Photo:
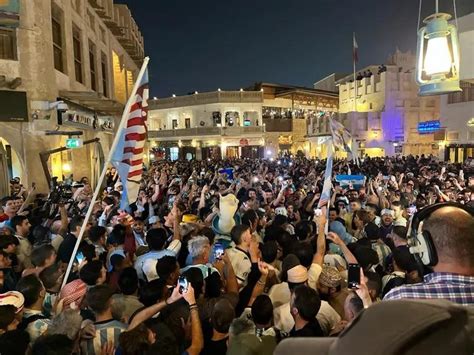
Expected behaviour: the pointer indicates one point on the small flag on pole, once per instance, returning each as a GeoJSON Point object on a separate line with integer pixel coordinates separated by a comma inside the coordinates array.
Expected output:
{"type": "Point", "coordinates": [340, 135]}
{"type": "Point", "coordinates": [327, 184]}
{"type": "Point", "coordinates": [342, 138]}
{"type": "Point", "coordinates": [355, 47]}
{"type": "Point", "coordinates": [128, 156]}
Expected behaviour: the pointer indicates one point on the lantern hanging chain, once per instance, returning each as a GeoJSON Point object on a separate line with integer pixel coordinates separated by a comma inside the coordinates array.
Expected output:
{"type": "Point", "coordinates": [437, 6]}
{"type": "Point", "coordinates": [455, 14]}
{"type": "Point", "coordinates": [419, 16]}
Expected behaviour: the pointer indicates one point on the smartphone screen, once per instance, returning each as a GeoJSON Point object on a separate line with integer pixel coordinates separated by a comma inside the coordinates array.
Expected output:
{"type": "Point", "coordinates": [218, 250]}
{"type": "Point", "coordinates": [183, 284]}
{"type": "Point", "coordinates": [354, 275]}
{"type": "Point", "coordinates": [79, 257]}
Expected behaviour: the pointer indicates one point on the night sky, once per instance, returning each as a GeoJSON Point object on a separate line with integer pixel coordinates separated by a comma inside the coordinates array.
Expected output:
{"type": "Point", "coordinates": [202, 44]}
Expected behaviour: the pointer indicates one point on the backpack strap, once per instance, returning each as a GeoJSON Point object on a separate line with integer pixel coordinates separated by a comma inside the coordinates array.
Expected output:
{"type": "Point", "coordinates": [26, 321]}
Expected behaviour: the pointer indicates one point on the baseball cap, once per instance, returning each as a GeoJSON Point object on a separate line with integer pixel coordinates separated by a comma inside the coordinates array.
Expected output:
{"type": "Point", "coordinates": [416, 327]}
{"type": "Point", "coordinates": [281, 211]}
{"type": "Point", "coordinates": [13, 298]}
{"type": "Point", "coordinates": [387, 211]}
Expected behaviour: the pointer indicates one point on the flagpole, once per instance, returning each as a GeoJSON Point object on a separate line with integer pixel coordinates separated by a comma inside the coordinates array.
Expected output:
{"type": "Point", "coordinates": [354, 70]}
{"type": "Point", "coordinates": [330, 156]}
{"type": "Point", "coordinates": [104, 169]}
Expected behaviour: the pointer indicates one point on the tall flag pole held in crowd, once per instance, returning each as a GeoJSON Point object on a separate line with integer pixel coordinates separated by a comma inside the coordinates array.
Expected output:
{"type": "Point", "coordinates": [128, 155]}
{"type": "Point", "coordinates": [126, 152]}
{"type": "Point", "coordinates": [341, 139]}
{"type": "Point", "coordinates": [355, 59]}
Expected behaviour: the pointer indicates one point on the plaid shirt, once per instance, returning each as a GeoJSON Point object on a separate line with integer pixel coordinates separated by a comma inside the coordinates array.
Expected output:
{"type": "Point", "coordinates": [453, 287]}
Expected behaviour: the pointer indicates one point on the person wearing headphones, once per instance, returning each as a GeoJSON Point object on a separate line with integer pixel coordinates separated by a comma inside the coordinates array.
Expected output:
{"type": "Point", "coordinates": [442, 237]}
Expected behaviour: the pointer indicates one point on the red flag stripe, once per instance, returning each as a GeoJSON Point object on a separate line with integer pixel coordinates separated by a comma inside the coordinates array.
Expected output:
{"type": "Point", "coordinates": [135, 121]}
{"type": "Point", "coordinates": [135, 173]}
{"type": "Point", "coordinates": [135, 137]}
{"type": "Point", "coordinates": [133, 150]}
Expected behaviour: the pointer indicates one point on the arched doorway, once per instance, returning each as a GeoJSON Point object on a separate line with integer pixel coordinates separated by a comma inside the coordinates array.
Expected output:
{"type": "Point", "coordinates": [10, 166]}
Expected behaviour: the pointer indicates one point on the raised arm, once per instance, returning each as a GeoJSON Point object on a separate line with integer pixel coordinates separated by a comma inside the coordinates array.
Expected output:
{"type": "Point", "coordinates": [321, 240]}
{"type": "Point", "coordinates": [310, 205]}
{"type": "Point", "coordinates": [156, 194]}
{"type": "Point", "coordinates": [202, 200]}
{"type": "Point", "coordinates": [149, 312]}
{"type": "Point", "coordinates": [260, 285]}
{"type": "Point", "coordinates": [350, 258]}
{"type": "Point", "coordinates": [178, 215]}
{"type": "Point", "coordinates": [64, 220]}
{"type": "Point", "coordinates": [197, 338]}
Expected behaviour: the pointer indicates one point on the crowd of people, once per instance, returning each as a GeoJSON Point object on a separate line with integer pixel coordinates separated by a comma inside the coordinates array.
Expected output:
{"type": "Point", "coordinates": [230, 256]}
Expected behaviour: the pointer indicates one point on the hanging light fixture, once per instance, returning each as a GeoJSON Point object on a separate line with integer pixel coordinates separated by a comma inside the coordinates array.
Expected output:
{"type": "Point", "coordinates": [437, 67]}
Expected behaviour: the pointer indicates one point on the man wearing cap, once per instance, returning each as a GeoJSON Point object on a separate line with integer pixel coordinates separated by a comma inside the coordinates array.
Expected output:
{"type": "Point", "coordinates": [330, 288]}
{"type": "Point", "coordinates": [327, 316]}
{"type": "Point", "coordinates": [386, 224]}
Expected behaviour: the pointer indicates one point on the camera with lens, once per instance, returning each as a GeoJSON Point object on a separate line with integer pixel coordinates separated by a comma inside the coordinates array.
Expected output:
{"type": "Point", "coordinates": [60, 192]}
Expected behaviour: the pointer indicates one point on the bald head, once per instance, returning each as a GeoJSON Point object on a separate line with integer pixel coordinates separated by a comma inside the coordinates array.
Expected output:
{"type": "Point", "coordinates": [452, 230]}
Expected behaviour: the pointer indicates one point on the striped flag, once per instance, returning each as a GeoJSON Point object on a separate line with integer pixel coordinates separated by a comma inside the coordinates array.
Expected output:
{"type": "Point", "coordinates": [327, 184]}
{"type": "Point", "coordinates": [342, 138]}
{"type": "Point", "coordinates": [128, 156]}
{"type": "Point", "coordinates": [355, 47]}
{"type": "Point", "coordinates": [340, 135]}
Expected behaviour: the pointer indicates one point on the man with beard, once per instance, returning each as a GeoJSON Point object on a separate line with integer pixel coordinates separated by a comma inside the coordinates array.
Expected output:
{"type": "Point", "coordinates": [138, 229]}
{"type": "Point", "coordinates": [386, 225]}
{"type": "Point", "coordinates": [330, 289]}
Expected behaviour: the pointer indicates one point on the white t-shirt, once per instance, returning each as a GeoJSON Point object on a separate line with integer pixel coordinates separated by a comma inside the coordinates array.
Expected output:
{"type": "Point", "coordinates": [241, 264]}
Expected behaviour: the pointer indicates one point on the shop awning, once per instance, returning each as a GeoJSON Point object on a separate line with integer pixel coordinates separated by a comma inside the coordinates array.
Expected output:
{"type": "Point", "coordinates": [94, 101]}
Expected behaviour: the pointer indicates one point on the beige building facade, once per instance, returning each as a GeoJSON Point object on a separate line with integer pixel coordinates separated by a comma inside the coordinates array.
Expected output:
{"type": "Point", "coordinates": [388, 117]}
{"type": "Point", "coordinates": [263, 121]}
{"type": "Point", "coordinates": [67, 66]}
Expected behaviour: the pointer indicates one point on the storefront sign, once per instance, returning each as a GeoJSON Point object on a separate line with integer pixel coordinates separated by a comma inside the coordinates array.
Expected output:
{"type": "Point", "coordinates": [17, 108]}
{"type": "Point", "coordinates": [9, 13]}
{"type": "Point", "coordinates": [428, 127]}
{"type": "Point", "coordinates": [87, 120]}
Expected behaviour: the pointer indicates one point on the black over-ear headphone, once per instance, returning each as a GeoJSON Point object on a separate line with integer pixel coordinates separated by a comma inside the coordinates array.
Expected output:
{"type": "Point", "coordinates": [420, 241]}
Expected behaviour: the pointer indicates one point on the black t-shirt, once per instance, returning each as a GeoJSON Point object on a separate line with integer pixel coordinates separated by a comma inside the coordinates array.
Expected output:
{"type": "Point", "coordinates": [311, 329]}
{"type": "Point", "coordinates": [215, 347]}
{"type": "Point", "coordinates": [66, 248]}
